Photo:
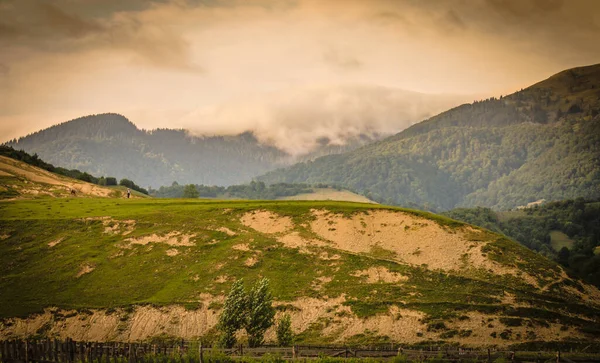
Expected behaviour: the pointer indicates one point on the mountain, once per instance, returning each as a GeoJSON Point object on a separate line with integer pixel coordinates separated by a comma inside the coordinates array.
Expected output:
{"type": "Point", "coordinates": [542, 142]}
{"type": "Point", "coordinates": [102, 269]}
{"type": "Point", "coordinates": [111, 145]}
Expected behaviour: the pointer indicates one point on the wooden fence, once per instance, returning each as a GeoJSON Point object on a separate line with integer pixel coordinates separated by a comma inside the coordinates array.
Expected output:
{"type": "Point", "coordinates": [69, 351]}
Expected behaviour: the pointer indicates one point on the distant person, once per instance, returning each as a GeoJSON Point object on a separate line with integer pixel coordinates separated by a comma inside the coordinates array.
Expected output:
{"type": "Point", "coordinates": [128, 193]}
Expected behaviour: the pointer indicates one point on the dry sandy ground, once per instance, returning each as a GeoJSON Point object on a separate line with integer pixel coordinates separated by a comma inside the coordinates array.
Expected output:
{"type": "Point", "coordinates": [335, 320]}
{"type": "Point", "coordinates": [380, 274]}
{"type": "Point", "coordinates": [37, 175]}
{"type": "Point", "coordinates": [267, 222]}
{"type": "Point", "coordinates": [407, 239]}
{"type": "Point", "coordinates": [403, 237]}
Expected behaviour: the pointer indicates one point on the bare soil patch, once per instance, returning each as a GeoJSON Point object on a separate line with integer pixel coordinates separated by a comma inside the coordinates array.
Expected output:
{"type": "Point", "coordinates": [380, 274]}
{"type": "Point", "coordinates": [294, 240]}
{"type": "Point", "coordinates": [267, 222]}
{"type": "Point", "coordinates": [251, 261]}
{"type": "Point", "coordinates": [241, 247]}
{"type": "Point", "coordinates": [172, 239]}
{"type": "Point", "coordinates": [172, 252]}
{"type": "Point", "coordinates": [55, 242]}
{"type": "Point", "coordinates": [226, 230]}
{"type": "Point", "coordinates": [85, 269]}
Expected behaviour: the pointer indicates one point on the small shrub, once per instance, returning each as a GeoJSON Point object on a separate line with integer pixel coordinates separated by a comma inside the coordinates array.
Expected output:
{"type": "Point", "coordinates": [285, 336]}
{"type": "Point", "coordinates": [437, 326]}
{"type": "Point", "coordinates": [506, 334]}
{"type": "Point", "coordinates": [448, 334]}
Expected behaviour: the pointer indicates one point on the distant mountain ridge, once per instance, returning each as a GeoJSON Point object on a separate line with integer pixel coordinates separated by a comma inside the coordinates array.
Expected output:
{"type": "Point", "coordinates": [110, 144]}
{"type": "Point", "coordinates": [541, 142]}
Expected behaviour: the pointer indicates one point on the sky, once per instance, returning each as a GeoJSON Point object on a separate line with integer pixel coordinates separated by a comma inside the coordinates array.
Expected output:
{"type": "Point", "coordinates": [292, 71]}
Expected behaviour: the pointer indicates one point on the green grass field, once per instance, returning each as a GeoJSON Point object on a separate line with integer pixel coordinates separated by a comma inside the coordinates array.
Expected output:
{"type": "Point", "coordinates": [45, 244]}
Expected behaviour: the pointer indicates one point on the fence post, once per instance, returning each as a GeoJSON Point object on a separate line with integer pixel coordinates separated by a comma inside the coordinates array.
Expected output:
{"type": "Point", "coordinates": [489, 355]}
{"type": "Point", "coordinates": [558, 356]}
{"type": "Point", "coordinates": [201, 353]}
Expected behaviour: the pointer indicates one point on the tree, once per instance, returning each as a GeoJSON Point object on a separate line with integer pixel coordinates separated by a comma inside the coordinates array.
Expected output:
{"type": "Point", "coordinates": [110, 180]}
{"type": "Point", "coordinates": [261, 313]}
{"type": "Point", "coordinates": [254, 312]}
{"type": "Point", "coordinates": [233, 315]}
{"type": "Point", "coordinates": [285, 336]}
{"type": "Point", "coordinates": [190, 191]}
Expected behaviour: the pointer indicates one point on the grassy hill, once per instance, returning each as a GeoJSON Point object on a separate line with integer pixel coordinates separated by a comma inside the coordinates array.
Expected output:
{"type": "Point", "coordinates": [568, 231]}
{"type": "Point", "coordinates": [542, 142]}
{"type": "Point", "coordinates": [115, 269]}
{"type": "Point", "coordinates": [329, 194]}
{"type": "Point", "coordinates": [21, 180]}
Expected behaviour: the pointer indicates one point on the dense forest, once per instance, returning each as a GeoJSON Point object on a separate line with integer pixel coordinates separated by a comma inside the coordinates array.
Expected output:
{"type": "Point", "coordinates": [71, 173]}
{"type": "Point", "coordinates": [568, 231]}
{"type": "Point", "coordinates": [539, 143]}
{"type": "Point", "coordinates": [111, 144]}
{"type": "Point", "coordinates": [253, 190]}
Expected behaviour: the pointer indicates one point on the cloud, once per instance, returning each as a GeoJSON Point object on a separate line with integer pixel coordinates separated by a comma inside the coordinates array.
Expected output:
{"type": "Point", "coordinates": [298, 120]}
{"type": "Point", "coordinates": [212, 60]}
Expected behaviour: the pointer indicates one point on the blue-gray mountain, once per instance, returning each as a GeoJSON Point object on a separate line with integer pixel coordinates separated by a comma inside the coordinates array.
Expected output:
{"type": "Point", "coordinates": [110, 145]}
{"type": "Point", "coordinates": [542, 142]}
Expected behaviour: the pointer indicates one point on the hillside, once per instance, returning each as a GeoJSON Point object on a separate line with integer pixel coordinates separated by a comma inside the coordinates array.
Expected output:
{"type": "Point", "coordinates": [20, 180]}
{"type": "Point", "coordinates": [109, 144]}
{"type": "Point", "coordinates": [567, 231]}
{"type": "Point", "coordinates": [106, 269]}
{"type": "Point", "coordinates": [542, 142]}
{"type": "Point", "coordinates": [329, 194]}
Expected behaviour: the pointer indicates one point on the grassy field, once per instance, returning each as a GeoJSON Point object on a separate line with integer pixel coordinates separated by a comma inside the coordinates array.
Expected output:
{"type": "Point", "coordinates": [330, 194]}
{"type": "Point", "coordinates": [76, 253]}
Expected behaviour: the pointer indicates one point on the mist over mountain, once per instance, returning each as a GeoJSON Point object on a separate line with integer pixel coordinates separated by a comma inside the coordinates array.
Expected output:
{"type": "Point", "coordinates": [301, 121]}
{"type": "Point", "coordinates": [235, 142]}
{"type": "Point", "coordinates": [539, 143]}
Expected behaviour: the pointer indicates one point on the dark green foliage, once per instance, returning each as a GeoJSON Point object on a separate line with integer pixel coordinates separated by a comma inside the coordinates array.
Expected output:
{"type": "Point", "coordinates": [129, 184]}
{"type": "Point", "coordinates": [285, 336]}
{"type": "Point", "coordinates": [111, 180]}
{"type": "Point", "coordinates": [498, 153]}
{"type": "Point", "coordinates": [260, 313]}
{"type": "Point", "coordinates": [233, 315]}
{"type": "Point", "coordinates": [253, 190]}
{"type": "Point", "coordinates": [189, 191]}
{"type": "Point", "coordinates": [252, 311]}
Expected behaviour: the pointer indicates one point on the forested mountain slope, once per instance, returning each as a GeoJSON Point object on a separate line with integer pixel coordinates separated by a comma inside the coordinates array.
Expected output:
{"type": "Point", "coordinates": [541, 142]}
{"type": "Point", "coordinates": [110, 144]}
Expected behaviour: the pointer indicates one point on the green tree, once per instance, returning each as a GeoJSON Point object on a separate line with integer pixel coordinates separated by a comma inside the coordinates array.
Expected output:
{"type": "Point", "coordinates": [233, 315]}
{"type": "Point", "coordinates": [190, 191]}
{"type": "Point", "coordinates": [261, 313]}
{"type": "Point", "coordinates": [285, 336]}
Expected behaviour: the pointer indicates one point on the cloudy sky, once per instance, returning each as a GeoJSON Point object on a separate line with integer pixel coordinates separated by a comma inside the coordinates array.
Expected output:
{"type": "Point", "coordinates": [280, 68]}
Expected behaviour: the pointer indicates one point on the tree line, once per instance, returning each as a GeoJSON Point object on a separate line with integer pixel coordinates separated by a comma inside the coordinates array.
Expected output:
{"type": "Point", "coordinates": [252, 190]}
